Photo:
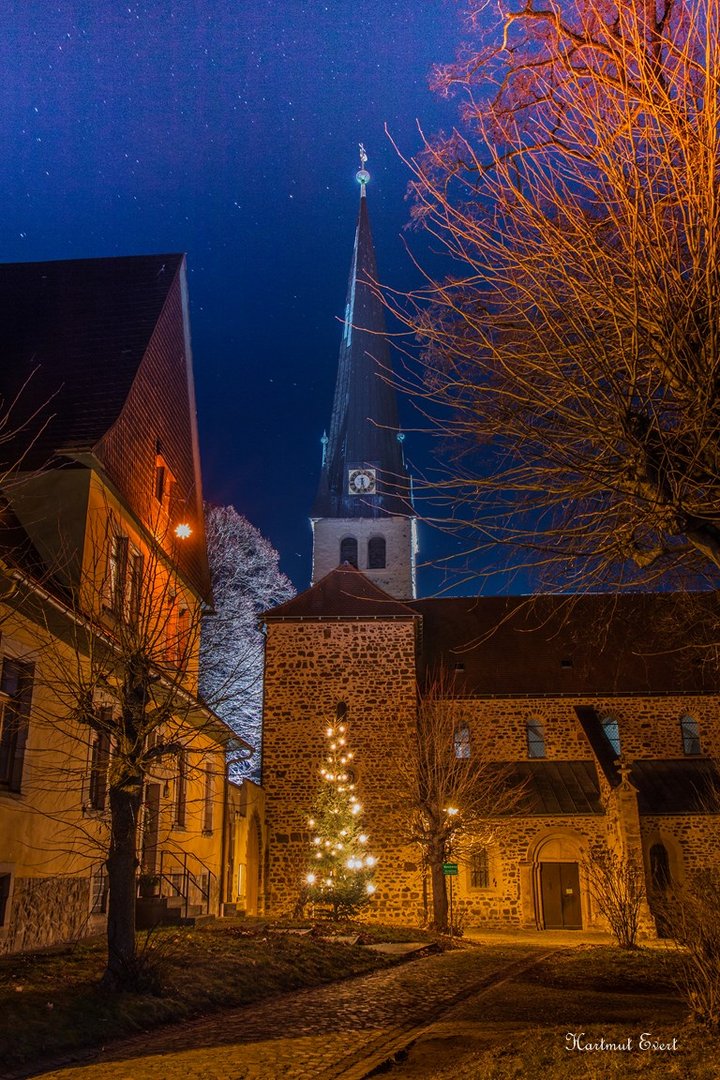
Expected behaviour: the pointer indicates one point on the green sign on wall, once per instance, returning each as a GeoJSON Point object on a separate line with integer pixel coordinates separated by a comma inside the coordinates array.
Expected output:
{"type": "Point", "coordinates": [450, 869]}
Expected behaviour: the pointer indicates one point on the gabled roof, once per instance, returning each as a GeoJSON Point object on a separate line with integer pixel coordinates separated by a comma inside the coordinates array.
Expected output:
{"type": "Point", "coordinates": [584, 645]}
{"type": "Point", "coordinates": [344, 593]}
{"type": "Point", "coordinates": [72, 336]}
{"type": "Point", "coordinates": [364, 423]}
{"type": "Point", "coordinates": [95, 355]}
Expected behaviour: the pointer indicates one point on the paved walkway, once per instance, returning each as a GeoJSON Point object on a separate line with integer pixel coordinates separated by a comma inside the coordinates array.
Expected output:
{"type": "Point", "coordinates": [334, 1031]}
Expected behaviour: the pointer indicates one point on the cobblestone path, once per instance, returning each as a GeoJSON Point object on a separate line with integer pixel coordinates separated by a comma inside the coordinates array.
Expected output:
{"type": "Point", "coordinates": [334, 1031]}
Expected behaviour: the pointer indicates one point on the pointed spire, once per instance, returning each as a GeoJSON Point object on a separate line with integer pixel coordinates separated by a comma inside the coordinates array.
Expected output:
{"type": "Point", "coordinates": [363, 431]}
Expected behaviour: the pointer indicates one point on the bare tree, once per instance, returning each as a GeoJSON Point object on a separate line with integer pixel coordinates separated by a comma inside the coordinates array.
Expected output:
{"type": "Point", "coordinates": [617, 884]}
{"type": "Point", "coordinates": [453, 793]}
{"type": "Point", "coordinates": [571, 356]}
{"type": "Point", "coordinates": [117, 708]}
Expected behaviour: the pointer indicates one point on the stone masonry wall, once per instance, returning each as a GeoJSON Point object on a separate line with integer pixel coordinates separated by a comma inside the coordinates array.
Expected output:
{"type": "Point", "coordinates": [310, 667]}
{"type": "Point", "coordinates": [370, 665]}
{"type": "Point", "coordinates": [396, 578]}
{"type": "Point", "coordinates": [46, 911]}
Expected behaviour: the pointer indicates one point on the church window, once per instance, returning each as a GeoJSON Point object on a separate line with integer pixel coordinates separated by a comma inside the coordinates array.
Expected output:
{"type": "Point", "coordinates": [611, 731]}
{"type": "Point", "coordinates": [535, 739]}
{"type": "Point", "coordinates": [690, 735]}
{"type": "Point", "coordinates": [376, 553]}
{"type": "Point", "coordinates": [479, 869]}
{"type": "Point", "coordinates": [462, 741]}
{"type": "Point", "coordinates": [349, 550]}
{"type": "Point", "coordinates": [659, 867]}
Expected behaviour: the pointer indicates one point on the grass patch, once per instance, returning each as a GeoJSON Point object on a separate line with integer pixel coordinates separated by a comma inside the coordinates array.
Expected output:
{"type": "Point", "coordinates": [51, 1004]}
{"type": "Point", "coordinates": [520, 1029]}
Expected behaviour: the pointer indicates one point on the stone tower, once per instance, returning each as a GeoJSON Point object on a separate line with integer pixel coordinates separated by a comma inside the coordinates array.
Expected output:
{"type": "Point", "coordinates": [363, 512]}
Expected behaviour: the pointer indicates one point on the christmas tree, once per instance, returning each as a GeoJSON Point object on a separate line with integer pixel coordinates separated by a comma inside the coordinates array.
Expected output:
{"type": "Point", "coordinates": [341, 868]}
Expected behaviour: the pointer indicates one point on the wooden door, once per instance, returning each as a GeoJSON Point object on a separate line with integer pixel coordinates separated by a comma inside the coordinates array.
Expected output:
{"type": "Point", "coordinates": [560, 891]}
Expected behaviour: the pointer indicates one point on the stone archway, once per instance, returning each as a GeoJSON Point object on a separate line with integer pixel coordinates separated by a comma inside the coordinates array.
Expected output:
{"type": "Point", "coordinates": [663, 869]}
{"type": "Point", "coordinates": [560, 898]}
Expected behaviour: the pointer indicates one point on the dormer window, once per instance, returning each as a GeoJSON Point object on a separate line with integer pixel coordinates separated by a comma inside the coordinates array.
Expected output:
{"type": "Point", "coordinates": [164, 481]}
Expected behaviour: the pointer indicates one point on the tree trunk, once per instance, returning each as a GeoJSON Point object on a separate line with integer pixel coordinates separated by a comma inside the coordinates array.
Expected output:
{"type": "Point", "coordinates": [439, 890]}
{"type": "Point", "coordinates": [121, 868]}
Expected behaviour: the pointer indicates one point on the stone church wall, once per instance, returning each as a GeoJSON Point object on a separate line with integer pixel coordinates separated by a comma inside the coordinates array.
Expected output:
{"type": "Point", "coordinates": [396, 578]}
{"type": "Point", "coordinates": [310, 667]}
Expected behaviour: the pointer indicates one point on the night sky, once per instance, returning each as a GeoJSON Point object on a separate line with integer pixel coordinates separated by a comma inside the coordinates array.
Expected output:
{"type": "Point", "coordinates": [229, 130]}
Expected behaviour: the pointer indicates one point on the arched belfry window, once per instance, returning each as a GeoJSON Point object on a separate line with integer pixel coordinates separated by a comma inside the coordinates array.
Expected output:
{"type": "Point", "coordinates": [349, 550]}
{"type": "Point", "coordinates": [376, 553]}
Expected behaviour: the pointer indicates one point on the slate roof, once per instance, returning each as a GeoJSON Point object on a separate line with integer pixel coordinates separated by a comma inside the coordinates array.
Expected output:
{"type": "Point", "coordinates": [557, 787]}
{"type": "Point", "coordinates": [344, 593]}
{"type": "Point", "coordinates": [72, 336]}
{"type": "Point", "coordinates": [679, 786]}
{"type": "Point", "coordinates": [555, 645]}
{"type": "Point", "coordinates": [364, 423]}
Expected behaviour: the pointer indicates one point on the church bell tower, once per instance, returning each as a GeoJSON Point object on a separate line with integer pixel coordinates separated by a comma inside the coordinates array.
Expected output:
{"type": "Point", "coordinates": [363, 510]}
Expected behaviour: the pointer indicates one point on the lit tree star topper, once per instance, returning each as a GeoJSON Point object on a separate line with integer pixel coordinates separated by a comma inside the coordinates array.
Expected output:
{"type": "Point", "coordinates": [341, 868]}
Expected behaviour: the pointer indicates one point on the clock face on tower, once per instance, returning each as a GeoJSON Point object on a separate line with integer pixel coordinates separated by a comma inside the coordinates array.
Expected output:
{"type": "Point", "coordinates": [361, 482]}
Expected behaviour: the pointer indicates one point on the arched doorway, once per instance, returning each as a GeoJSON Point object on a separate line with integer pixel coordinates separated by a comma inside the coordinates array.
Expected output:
{"type": "Point", "coordinates": [558, 892]}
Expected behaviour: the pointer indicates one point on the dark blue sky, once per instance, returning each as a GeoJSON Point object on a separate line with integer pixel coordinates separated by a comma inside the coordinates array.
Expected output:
{"type": "Point", "coordinates": [228, 130]}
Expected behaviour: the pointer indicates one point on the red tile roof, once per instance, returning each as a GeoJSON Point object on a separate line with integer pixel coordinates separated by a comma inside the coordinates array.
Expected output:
{"type": "Point", "coordinates": [344, 593]}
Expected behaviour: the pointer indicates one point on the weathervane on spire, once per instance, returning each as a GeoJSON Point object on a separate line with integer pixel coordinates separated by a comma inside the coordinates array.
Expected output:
{"type": "Point", "coordinates": [362, 175]}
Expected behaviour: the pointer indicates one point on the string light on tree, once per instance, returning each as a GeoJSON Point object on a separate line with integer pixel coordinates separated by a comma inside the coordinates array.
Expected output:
{"type": "Point", "coordinates": [342, 867]}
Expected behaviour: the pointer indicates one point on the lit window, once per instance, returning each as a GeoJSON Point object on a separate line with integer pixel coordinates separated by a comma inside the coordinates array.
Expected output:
{"type": "Point", "coordinates": [376, 553]}
{"type": "Point", "coordinates": [611, 732]}
{"type": "Point", "coordinates": [479, 869]}
{"type": "Point", "coordinates": [690, 735]}
{"type": "Point", "coordinates": [349, 551]}
{"type": "Point", "coordinates": [535, 739]}
{"type": "Point", "coordinates": [118, 574]}
{"type": "Point", "coordinates": [462, 741]}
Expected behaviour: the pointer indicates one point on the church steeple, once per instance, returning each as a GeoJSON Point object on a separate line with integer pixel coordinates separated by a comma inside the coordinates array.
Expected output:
{"type": "Point", "coordinates": [362, 511]}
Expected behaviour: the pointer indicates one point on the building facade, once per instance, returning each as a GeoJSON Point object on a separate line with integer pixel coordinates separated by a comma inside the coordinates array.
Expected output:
{"type": "Point", "coordinates": [607, 728]}
{"type": "Point", "coordinates": [103, 560]}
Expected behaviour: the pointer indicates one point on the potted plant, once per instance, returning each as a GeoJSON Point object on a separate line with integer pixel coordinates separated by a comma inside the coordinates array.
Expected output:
{"type": "Point", "coordinates": [149, 885]}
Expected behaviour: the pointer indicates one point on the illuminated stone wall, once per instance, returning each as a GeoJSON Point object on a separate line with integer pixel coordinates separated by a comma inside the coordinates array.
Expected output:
{"type": "Point", "coordinates": [310, 667]}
